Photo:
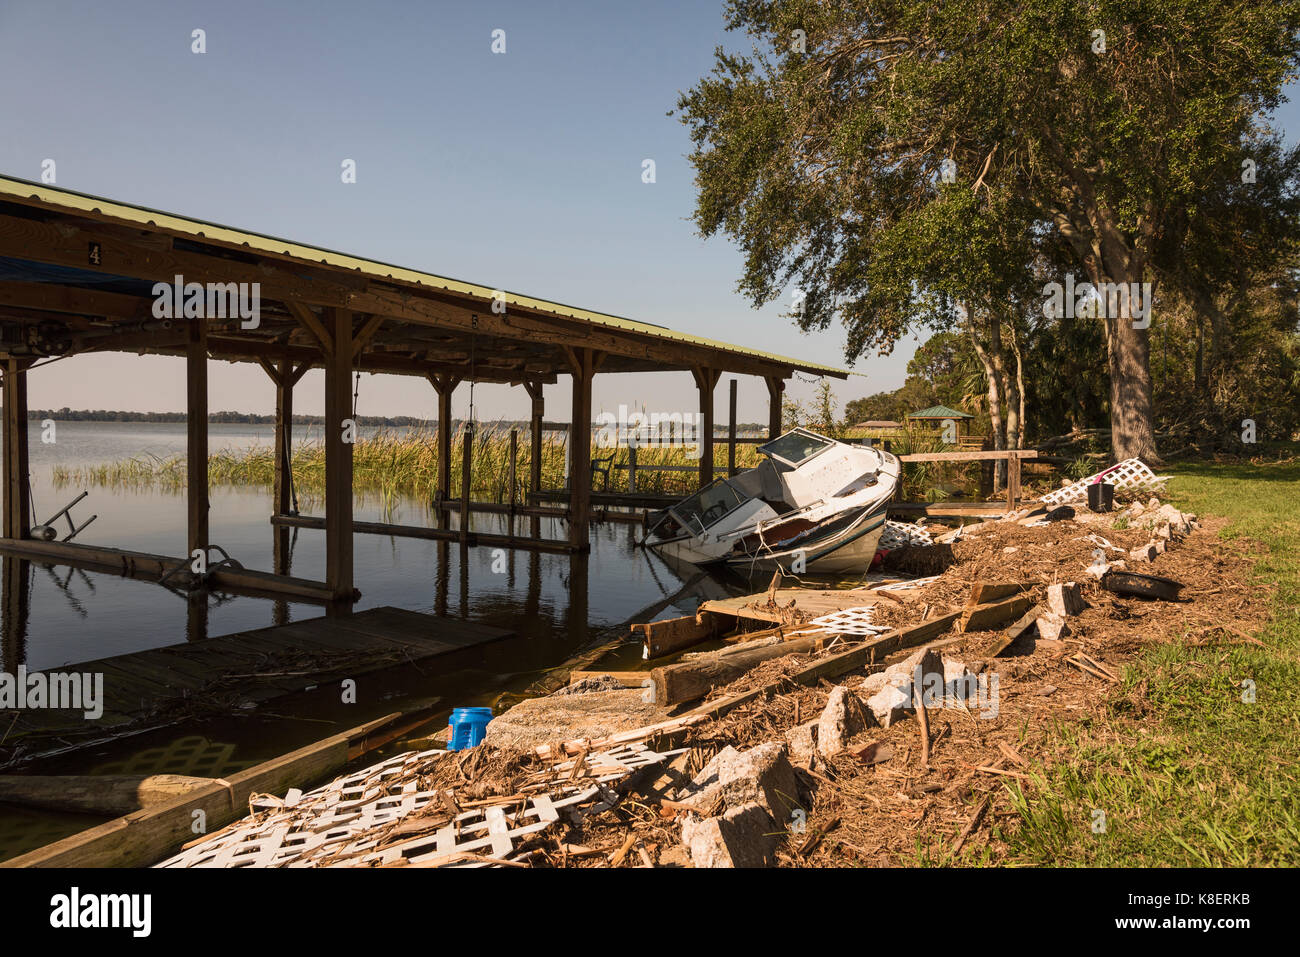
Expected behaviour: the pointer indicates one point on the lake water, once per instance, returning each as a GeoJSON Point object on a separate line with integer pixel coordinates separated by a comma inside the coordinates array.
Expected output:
{"type": "Point", "coordinates": [555, 603]}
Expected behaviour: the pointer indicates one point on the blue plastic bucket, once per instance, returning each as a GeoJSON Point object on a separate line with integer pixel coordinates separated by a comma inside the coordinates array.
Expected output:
{"type": "Point", "coordinates": [468, 725]}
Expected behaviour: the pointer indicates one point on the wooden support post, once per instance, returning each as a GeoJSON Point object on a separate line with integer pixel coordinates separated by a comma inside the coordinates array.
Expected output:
{"type": "Point", "coordinates": [534, 388]}
{"type": "Point", "coordinates": [731, 430]}
{"type": "Point", "coordinates": [338, 455]}
{"type": "Point", "coordinates": [631, 466]}
{"type": "Point", "coordinates": [582, 364]}
{"type": "Point", "coordinates": [466, 465]}
{"type": "Point", "coordinates": [775, 386]}
{"type": "Point", "coordinates": [1013, 482]}
{"type": "Point", "coordinates": [196, 430]}
{"type": "Point", "coordinates": [17, 494]}
{"type": "Point", "coordinates": [444, 385]}
{"type": "Point", "coordinates": [706, 380]}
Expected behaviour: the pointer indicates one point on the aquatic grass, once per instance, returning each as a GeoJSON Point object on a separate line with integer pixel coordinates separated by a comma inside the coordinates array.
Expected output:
{"type": "Point", "coordinates": [393, 466]}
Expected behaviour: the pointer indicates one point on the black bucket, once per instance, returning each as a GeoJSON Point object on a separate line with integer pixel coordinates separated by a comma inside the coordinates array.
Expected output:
{"type": "Point", "coordinates": [1101, 496]}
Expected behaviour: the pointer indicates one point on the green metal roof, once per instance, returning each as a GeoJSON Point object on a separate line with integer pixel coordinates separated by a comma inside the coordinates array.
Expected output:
{"type": "Point", "coordinates": [215, 232]}
{"type": "Point", "coordinates": [940, 412]}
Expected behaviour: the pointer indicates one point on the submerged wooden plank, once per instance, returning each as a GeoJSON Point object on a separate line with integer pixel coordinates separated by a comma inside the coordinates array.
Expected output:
{"type": "Point", "coordinates": [146, 836]}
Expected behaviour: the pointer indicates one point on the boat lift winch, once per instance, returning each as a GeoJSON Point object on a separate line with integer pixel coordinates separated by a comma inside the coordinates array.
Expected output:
{"type": "Point", "coordinates": [46, 532]}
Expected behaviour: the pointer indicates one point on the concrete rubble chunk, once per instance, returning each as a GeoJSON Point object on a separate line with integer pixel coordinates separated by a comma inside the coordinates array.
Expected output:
{"type": "Point", "coordinates": [872, 683]}
{"type": "Point", "coordinates": [744, 836]}
{"type": "Point", "coordinates": [762, 775]}
{"type": "Point", "coordinates": [1065, 599]}
{"type": "Point", "coordinates": [1144, 553]}
{"type": "Point", "coordinates": [893, 699]}
{"type": "Point", "coordinates": [801, 740]}
{"type": "Point", "coordinates": [890, 704]}
{"type": "Point", "coordinates": [1052, 626]}
{"type": "Point", "coordinates": [843, 717]}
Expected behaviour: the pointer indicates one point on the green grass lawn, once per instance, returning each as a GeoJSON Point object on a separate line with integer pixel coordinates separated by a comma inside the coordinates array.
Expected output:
{"type": "Point", "coordinates": [1203, 778]}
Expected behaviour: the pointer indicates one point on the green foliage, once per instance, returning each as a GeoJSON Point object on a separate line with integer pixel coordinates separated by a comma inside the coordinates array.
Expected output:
{"type": "Point", "coordinates": [826, 167]}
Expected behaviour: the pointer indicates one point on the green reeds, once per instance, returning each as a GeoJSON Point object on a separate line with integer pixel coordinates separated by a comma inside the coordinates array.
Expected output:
{"type": "Point", "coordinates": [391, 466]}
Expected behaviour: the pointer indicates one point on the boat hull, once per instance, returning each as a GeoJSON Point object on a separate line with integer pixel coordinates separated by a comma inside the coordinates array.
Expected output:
{"type": "Point", "coordinates": [849, 551]}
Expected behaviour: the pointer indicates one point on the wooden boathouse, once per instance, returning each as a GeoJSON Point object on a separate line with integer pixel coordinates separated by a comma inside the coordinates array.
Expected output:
{"type": "Point", "coordinates": [78, 276]}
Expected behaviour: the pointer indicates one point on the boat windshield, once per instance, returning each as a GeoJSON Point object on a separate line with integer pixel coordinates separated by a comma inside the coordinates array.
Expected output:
{"type": "Point", "coordinates": [795, 448]}
{"type": "Point", "coordinates": [709, 505]}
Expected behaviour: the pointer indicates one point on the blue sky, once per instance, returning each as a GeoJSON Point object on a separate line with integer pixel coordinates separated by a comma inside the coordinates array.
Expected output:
{"type": "Point", "coordinates": [520, 171]}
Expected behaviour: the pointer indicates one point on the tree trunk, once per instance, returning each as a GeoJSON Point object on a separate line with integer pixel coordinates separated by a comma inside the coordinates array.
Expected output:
{"type": "Point", "coordinates": [995, 401]}
{"type": "Point", "coordinates": [1020, 388]}
{"type": "Point", "coordinates": [1128, 354]}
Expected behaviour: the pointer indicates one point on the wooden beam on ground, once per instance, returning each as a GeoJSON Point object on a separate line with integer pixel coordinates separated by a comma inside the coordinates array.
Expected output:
{"type": "Point", "coordinates": [673, 634]}
{"type": "Point", "coordinates": [693, 679]}
{"type": "Point", "coordinates": [17, 495]}
{"type": "Point", "coordinates": [338, 457]}
{"type": "Point", "coordinates": [196, 436]}
{"type": "Point", "coordinates": [983, 617]}
{"type": "Point", "coordinates": [1012, 634]}
{"type": "Point", "coordinates": [981, 593]}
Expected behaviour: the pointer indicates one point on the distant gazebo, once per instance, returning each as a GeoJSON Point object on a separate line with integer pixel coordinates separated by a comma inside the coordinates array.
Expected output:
{"type": "Point", "coordinates": [878, 424]}
{"type": "Point", "coordinates": [936, 414]}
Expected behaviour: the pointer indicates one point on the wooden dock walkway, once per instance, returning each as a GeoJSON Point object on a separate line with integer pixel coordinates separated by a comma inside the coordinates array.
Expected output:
{"type": "Point", "coordinates": [226, 673]}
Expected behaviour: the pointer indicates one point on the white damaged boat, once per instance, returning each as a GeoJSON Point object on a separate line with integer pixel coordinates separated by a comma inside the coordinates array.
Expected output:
{"type": "Point", "coordinates": [812, 505]}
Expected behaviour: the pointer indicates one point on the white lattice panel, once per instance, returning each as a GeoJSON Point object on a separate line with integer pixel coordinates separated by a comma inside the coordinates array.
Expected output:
{"type": "Point", "coordinates": [1131, 475]}
{"type": "Point", "coordinates": [360, 819]}
{"type": "Point", "coordinates": [848, 621]}
{"type": "Point", "coordinates": [898, 534]}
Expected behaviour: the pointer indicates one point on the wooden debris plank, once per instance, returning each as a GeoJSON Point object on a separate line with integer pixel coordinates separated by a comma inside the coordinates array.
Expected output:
{"type": "Point", "coordinates": [983, 617]}
{"type": "Point", "coordinates": [673, 634]}
{"type": "Point", "coordinates": [1010, 636]}
{"type": "Point", "coordinates": [856, 657]}
{"type": "Point", "coordinates": [982, 593]}
{"type": "Point", "coordinates": [811, 602]}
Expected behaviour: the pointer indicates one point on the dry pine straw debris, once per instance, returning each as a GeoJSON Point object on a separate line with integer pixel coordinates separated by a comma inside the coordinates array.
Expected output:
{"type": "Point", "coordinates": [880, 814]}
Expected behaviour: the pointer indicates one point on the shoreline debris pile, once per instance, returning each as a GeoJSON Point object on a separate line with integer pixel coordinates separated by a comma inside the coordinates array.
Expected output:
{"type": "Point", "coordinates": [839, 725]}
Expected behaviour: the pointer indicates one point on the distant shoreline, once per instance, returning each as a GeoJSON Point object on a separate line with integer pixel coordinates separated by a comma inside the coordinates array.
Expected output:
{"type": "Point", "coordinates": [229, 418]}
